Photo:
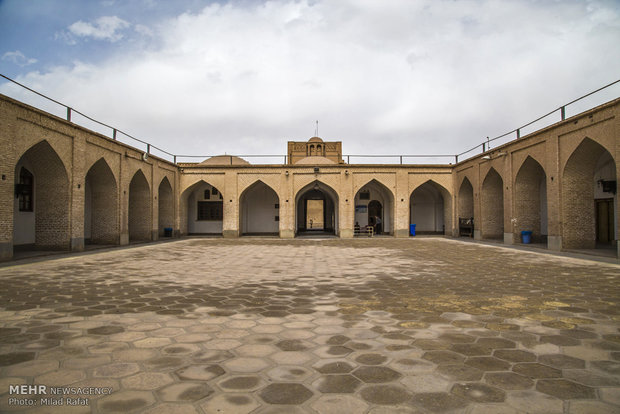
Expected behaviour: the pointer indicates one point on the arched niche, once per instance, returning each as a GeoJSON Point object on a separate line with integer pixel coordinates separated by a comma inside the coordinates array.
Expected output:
{"type": "Point", "coordinates": [165, 206]}
{"type": "Point", "coordinates": [139, 211]}
{"type": "Point", "coordinates": [374, 200]}
{"type": "Point", "coordinates": [316, 209]}
{"type": "Point", "coordinates": [202, 209]}
{"type": "Point", "coordinates": [430, 207]}
{"type": "Point", "coordinates": [530, 201]}
{"type": "Point", "coordinates": [260, 210]}
{"type": "Point", "coordinates": [101, 209]}
{"type": "Point", "coordinates": [492, 206]}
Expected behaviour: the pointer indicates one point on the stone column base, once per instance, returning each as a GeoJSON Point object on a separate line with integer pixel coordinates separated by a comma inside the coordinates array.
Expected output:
{"type": "Point", "coordinates": [124, 239]}
{"type": "Point", "coordinates": [77, 244]}
{"type": "Point", "coordinates": [346, 233]}
{"type": "Point", "coordinates": [509, 238]}
{"type": "Point", "coordinates": [401, 233]}
{"type": "Point", "coordinates": [477, 235]}
{"type": "Point", "coordinates": [230, 234]}
{"type": "Point", "coordinates": [6, 251]}
{"type": "Point", "coordinates": [554, 243]}
{"type": "Point", "coordinates": [287, 234]}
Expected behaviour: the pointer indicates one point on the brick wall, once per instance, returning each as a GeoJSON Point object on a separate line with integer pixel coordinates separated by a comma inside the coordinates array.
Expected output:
{"type": "Point", "coordinates": [492, 206]}
{"type": "Point", "coordinates": [139, 213]}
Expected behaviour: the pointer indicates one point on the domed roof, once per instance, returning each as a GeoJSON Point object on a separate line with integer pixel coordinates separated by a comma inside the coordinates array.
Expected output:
{"type": "Point", "coordinates": [315, 139]}
{"type": "Point", "coordinates": [315, 160]}
{"type": "Point", "coordinates": [224, 160]}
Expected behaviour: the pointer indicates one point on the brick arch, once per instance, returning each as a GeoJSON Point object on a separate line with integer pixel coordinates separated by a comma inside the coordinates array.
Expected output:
{"type": "Point", "coordinates": [47, 226]}
{"type": "Point", "coordinates": [101, 221]}
{"type": "Point", "coordinates": [139, 212]}
{"type": "Point", "coordinates": [379, 181]}
{"type": "Point", "coordinates": [578, 177]}
{"type": "Point", "coordinates": [430, 208]}
{"type": "Point", "coordinates": [330, 193]}
{"type": "Point", "coordinates": [530, 201]}
{"type": "Point", "coordinates": [165, 206]}
{"type": "Point", "coordinates": [387, 196]}
{"type": "Point", "coordinates": [184, 205]}
{"type": "Point", "coordinates": [465, 199]}
{"type": "Point", "coordinates": [492, 206]}
{"type": "Point", "coordinates": [257, 209]}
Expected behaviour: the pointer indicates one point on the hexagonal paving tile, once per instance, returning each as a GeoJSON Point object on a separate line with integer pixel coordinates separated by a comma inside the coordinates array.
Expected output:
{"type": "Point", "coordinates": [147, 381]}
{"type": "Point", "coordinates": [285, 393]}
{"type": "Point", "coordinates": [246, 364]}
{"type": "Point", "coordinates": [564, 389]}
{"type": "Point", "coordinates": [289, 373]}
{"type": "Point", "coordinates": [562, 361]}
{"type": "Point", "coordinates": [371, 359]}
{"type": "Point", "coordinates": [376, 374]}
{"type": "Point", "coordinates": [508, 380]}
{"type": "Point", "coordinates": [242, 383]}
{"type": "Point", "coordinates": [444, 357]}
{"type": "Point", "coordinates": [385, 394]}
{"type": "Point", "coordinates": [339, 404]}
{"type": "Point", "coordinates": [125, 401]}
{"type": "Point", "coordinates": [536, 370]}
{"type": "Point", "coordinates": [200, 372]}
{"type": "Point", "coordinates": [230, 403]}
{"type": "Point", "coordinates": [339, 384]}
{"type": "Point", "coordinates": [460, 372]}
{"type": "Point", "coordinates": [337, 367]}
{"type": "Point", "coordinates": [185, 391]}
{"type": "Point", "coordinates": [439, 401]}
{"type": "Point", "coordinates": [479, 392]}
{"type": "Point", "coordinates": [487, 363]}
{"type": "Point", "coordinates": [514, 355]}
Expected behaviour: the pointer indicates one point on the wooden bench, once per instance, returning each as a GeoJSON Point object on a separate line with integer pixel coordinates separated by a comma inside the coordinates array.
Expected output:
{"type": "Point", "coordinates": [466, 226]}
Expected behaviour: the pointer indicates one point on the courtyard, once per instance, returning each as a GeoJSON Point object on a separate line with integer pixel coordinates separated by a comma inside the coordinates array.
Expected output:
{"type": "Point", "coordinates": [311, 326]}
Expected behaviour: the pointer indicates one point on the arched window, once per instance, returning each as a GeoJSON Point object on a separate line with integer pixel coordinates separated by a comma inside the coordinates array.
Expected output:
{"type": "Point", "coordinates": [25, 190]}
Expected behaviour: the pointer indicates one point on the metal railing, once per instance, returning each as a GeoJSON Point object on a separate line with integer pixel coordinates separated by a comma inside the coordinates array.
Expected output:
{"type": "Point", "coordinates": [398, 159]}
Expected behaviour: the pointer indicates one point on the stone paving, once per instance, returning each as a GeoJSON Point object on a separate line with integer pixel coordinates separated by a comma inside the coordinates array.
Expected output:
{"type": "Point", "coordinates": [311, 326]}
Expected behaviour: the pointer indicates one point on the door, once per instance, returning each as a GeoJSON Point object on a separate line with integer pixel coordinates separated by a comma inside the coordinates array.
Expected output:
{"type": "Point", "coordinates": [605, 220]}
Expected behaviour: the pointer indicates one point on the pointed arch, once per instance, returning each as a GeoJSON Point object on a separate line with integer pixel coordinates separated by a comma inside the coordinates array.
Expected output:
{"type": "Point", "coordinates": [101, 223]}
{"type": "Point", "coordinates": [165, 206]}
{"type": "Point", "coordinates": [430, 208]}
{"type": "Point", "coordinates": [139, 223]}
{"type": "Point", "coordinates": [374, 200]}
{"type": "Point", "coordinates": [46, 225]}
{"type": "Point", "coordinates": [583, 195]}
{"type": "Point", "coordinates": [530, 201]}
{"type": "Point", "coordinates": [202, 209]}
{"type": "Point", "coordinates": [259, 209]}
{"type": "Point", "coordinates": [492, 206]}
{"type": "Point", "coordinates": [466, 199]}
{"type": "Point", "coordinates": [317, 190]}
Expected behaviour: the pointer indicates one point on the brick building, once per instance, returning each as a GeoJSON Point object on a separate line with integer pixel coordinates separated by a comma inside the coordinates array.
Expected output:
{"type": "Point", "coordinates": [64, 186]}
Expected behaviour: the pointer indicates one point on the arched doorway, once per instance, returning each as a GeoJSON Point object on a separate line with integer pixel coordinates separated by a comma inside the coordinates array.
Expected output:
{"type": "Point", "coordinates": [466, 209]}
{"type": "Point", "coordinates": [260, 210]}
{"type": "Point", "coordinates": [42, 202]}
{"type": "Point", "coordinates": [316, 209]}
{"type": "Point", "coordinates": [202, 209]}
{"type": "Point", "coordinates": [589, 198]}
{"type": "Point", "coordinates": [101, 224]}
{"type": "Point", "coordinates": [430, 208]}
{"type": "Point", "coordinates": [530, 204]}
{"type": "Point", "coordinates": [492, 206]}
{"type": "Point", "coordinates": [165, 205]}
{"type": "Point", "coordinates": [139, 223]}
{"type": "Point", "coordinates": [371, 201]}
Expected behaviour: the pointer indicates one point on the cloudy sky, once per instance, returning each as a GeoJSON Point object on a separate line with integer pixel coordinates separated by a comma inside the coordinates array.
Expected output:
{"type": "Point", "coordinates": [243, 77]}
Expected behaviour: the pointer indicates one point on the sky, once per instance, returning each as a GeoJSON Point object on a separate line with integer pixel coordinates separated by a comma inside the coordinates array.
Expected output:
{"type": "Point", "coordinates": [243, 77]}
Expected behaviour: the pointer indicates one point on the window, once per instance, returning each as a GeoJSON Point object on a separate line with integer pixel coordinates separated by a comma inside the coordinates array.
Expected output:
{"type": "Point", "coordinates": [365, 195]}
{"type": "Point", "coordinates": [207, 194]}
{"type": "Point", "coordinates": [214, 191]}
{"type": "Point", "coordinates": [210, 210]}
{"type": "Point", "coordinates": [277, 205]}
{"type": "Point", "coordinates": [24, 190]}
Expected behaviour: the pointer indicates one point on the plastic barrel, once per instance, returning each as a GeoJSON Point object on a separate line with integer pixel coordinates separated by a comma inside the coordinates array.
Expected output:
{"type": "Point", "coordinates": [526, 236]}
{"type": "Point", "coordinates": [412, 229]}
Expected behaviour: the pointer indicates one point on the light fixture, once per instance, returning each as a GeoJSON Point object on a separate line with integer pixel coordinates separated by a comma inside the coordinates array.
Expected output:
{"type": "Point", "coordinates": [346, 172]}
{"type": "Point", "coordinates": [486, 157]}
{"type": "Point", "coordinates": [286, 173]}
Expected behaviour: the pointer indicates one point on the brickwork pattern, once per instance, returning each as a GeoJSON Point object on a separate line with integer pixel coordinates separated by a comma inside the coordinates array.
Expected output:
{"type": "Point", "coordinates": [492, 206]}
{"type": "Point", "coordinates": [139, 208]}
{"type": "Point", "coordinates": [165, 205]}
{"type": "Point", "coordinates": [528, 199]}
{"type": "Point", "coordinates": [51, 197]}
{"type": "Point", "coordinates": [104, 204]}
{"type": "Point", "coordinates": [466, 200]}
{"type": "Point", "coordinates": [578, 194]}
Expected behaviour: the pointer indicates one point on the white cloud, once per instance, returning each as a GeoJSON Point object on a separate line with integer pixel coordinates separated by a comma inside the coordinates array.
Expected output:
{"type": "Point", "coordinates": [18, 58]}
{"type": "Point", "coordinates": [104, 28]}
{"type": "Point", "coordinates": [424, 76]}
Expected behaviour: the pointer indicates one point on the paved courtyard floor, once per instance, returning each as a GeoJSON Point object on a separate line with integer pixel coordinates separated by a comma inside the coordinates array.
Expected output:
{"type": "Point", "coordinates": [311, 326]}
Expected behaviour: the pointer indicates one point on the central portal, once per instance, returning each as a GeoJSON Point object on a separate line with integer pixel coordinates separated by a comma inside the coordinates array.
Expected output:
{"type": "Point", "coordinates": [316, 209]}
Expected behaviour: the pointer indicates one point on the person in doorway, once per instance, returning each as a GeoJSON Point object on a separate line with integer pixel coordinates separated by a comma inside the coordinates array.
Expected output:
{"type": "Point", "coordinates": [377, 225]}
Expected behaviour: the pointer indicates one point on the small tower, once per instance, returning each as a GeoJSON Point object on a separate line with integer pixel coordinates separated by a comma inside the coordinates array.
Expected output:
{"type": "Point", "coordinates": [315, 151]}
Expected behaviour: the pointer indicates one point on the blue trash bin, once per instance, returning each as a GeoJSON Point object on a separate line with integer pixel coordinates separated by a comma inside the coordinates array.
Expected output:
{"type": "Point", "coordinates": [526, 236]}
{"type": "Point", "coordinates": [412, 229]}
{"type": "Point", "coordinates": [168, 232]}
